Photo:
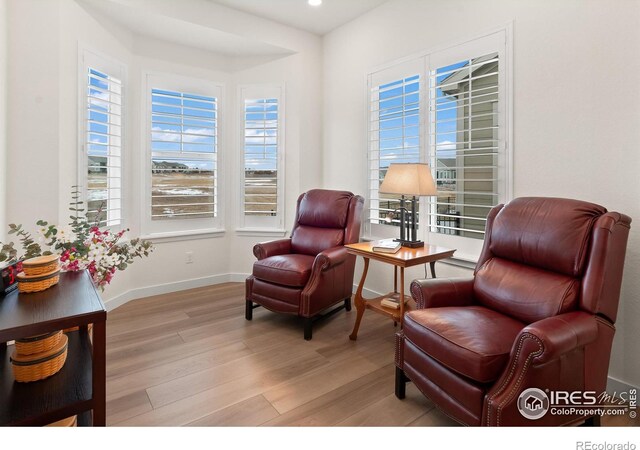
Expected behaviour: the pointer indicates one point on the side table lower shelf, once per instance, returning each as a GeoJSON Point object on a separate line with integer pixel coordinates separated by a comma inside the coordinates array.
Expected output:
{"type": "Point", "coordinates": [62, 395]}
{"type": "Point", "coordinates": [375, 304]}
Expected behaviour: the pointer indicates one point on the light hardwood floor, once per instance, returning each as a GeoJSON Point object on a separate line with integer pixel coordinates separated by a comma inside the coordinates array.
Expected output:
{"type": "Point", "coordinates": [191, 358]}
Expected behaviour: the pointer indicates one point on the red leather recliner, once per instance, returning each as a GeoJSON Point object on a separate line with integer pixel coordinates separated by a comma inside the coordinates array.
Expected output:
{"type": "Point", "coordinates": [538, 313]}
{"type": "Point", "coordinates": [311, 271]}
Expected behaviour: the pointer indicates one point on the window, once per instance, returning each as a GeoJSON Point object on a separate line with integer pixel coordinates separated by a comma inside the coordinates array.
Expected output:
{"type": "Point", "coordinates": [464, 138]}
{"type": "Point", "coordinates": [394, 137]}
{"type": "Point", "coordinates": [183, 155]}
{"type": "Point", "coordinates": [101, 143]}
{"type": "Point", "coordinates": [183, 178]}
{"type": "Point", "coordinates": [464, 121]}
{"type": "Point", "coordinates": [262, 158]}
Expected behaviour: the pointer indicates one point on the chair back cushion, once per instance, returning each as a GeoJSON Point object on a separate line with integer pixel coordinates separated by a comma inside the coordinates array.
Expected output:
{"type": "Point", "coordinates": [534, 257]}
{"type": "Point", "coordinates": [548, 233]}
{"type": "Point", "coordinates": [323, 208]}
{"type": "Point", "coordinates": [323, 218]}
{"type": "Point", "coordinates": [525, 293]}
{"type": "Point", "coordinates": [312, 240]}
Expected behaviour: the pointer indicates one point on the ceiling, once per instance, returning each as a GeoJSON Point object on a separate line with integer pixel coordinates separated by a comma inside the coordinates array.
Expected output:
{"type": "Point", "coordinates": [299, 14]}
{"type": "Point", "coordinates": [145, 22]}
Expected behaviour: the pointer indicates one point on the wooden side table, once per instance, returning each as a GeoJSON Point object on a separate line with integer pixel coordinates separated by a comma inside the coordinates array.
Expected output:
{"type": "Point", "coordinates": [405, 257]}
{"type": "Point", "coordinates": [79, 387]}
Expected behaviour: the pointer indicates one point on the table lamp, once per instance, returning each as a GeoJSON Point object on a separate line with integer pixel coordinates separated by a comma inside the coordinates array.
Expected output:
{"type": "Point", "coordinates": [411, 179]}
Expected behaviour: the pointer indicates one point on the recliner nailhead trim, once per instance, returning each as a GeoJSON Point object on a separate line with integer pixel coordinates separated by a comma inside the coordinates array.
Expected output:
{"type": "Point", "coordinates": [511, 372]}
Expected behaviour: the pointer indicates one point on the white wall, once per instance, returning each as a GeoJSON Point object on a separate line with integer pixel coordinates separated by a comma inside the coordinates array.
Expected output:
{"type": "Point", "coordinates": [33, 100]}
{"type": "Point", "coordinates": [576, 108]}
{"type": "Point", "coordinates": [3, 117]}
{"type": "Point", "coordinates": [43, 131]}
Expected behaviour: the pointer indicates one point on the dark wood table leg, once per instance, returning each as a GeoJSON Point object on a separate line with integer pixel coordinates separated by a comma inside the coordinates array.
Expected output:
{"type": "Point", "coordinates": [360, 305]}
{"type": "Point", "coordinates": [99, 374]}
{"type": "Point", "coordinates": [432, 265]}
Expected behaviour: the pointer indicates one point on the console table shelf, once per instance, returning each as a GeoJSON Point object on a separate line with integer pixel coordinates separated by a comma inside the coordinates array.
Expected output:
{"type": "Point", "coordinates": [79, 387]}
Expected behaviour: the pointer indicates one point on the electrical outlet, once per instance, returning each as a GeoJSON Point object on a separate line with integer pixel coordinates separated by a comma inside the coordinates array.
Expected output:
{"type": "Point", "coordinates": [189, 258]}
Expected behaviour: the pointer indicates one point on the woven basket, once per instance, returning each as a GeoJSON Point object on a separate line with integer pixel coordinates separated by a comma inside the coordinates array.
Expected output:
{"type": "Point", "coordinates": [69, 330]}
{"type": "Point", "coordinates": [40, 265]}
{"type": "Point", "coordinates": [68, 422]}
{"type": "Point", "coordinates": [38, 344]}
{"type": "Point", "coordinates": [27, 368]}
{"type": "Point", "coordinates": [37, 283]}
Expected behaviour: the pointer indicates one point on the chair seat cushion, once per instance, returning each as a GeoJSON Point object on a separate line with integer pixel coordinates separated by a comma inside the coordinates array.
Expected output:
{"type": "Point", "coordinates": [288, 270]}
{"type": "Point", "coordinates": [473, 341]}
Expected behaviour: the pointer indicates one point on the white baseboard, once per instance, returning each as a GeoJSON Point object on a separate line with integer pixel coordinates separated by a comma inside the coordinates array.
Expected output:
{"type": "Point", "coordinates": [615, 385]}
{"type": "Point", "coordinates": [367, 292]}
{"type": "Point", "coordinates": [238, 277]}
{"type": "Point", "coordinates": [167, 288]}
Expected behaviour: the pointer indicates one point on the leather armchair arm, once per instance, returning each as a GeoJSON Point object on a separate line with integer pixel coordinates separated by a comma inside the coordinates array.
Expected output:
{"type": "Point", "coordinates": [272, 248]}
{"type": "Point", "coordinates": [330, 257]}
{"type": "Point", "coordinates": [439, 292]}
{"type": "Point", "coordinates": [562, 333]}
{"type": "Point", "coordinates": [329, 281]}
{"type": "Point", "coordinates": [545, 353]}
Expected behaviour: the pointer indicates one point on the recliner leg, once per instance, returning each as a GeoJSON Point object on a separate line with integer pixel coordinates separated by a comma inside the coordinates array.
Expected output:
{"type": "Point", "coordinates": [347, 304]}
{"type": "Point", "coordinates": [308, 325]}
{"type": "Point", "coordinates": [593, 421]}
{"type": "Point", "coordinates": [248, 310]}
{"type": "Point", "coordinates": [401, 383]}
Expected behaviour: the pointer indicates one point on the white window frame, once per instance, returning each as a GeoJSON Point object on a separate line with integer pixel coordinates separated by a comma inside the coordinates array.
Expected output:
{"type": "Point", "coordinates": [89, 58]}
{"type": "Point", "coordinates": [497, 40]}
{"type": "Point", "coordinates": [189, 227]}
{"type": "Point", "coordinates": [261, 225]}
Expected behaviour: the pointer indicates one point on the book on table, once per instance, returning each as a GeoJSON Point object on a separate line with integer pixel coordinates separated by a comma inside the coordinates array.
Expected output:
{"type": "Point", "coordinates": [386, 246]}
{"type": "Point", "coordinates": [392, 302]}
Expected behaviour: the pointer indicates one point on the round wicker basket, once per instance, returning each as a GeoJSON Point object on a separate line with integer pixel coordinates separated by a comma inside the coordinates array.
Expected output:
{"type": "Point", "coordinates": [40, 265]}
{"type": "Point", "coordinates": [37, 283]}
{"type": "Point", "coordinates": [38, 344]}
{"type": "Point", "coordinates": [68, 422]}
{"type": "Point", "coordinates": [27, 368]}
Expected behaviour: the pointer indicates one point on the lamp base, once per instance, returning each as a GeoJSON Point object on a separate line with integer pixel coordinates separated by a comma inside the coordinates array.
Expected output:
{"type": "Point", "coordinates": [410, 244]}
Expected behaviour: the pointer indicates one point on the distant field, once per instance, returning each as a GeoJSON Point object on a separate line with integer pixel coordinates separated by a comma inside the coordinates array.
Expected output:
{"type": "Point", "coordinates": [190, 194]}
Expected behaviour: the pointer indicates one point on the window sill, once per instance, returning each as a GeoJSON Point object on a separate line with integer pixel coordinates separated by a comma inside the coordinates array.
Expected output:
{"type": "Point", "coordinates": [375, 238]}
{"type": "Point", "coordinates": [260, 232]}
{"type": "Point", "coordinates": [189, 235]}
{"type": "Point", "coordinates": [460, 262]}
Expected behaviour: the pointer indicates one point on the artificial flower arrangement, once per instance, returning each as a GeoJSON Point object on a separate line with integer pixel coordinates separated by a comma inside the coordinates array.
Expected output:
{"type": "Point", "coordinates": [81, 245]}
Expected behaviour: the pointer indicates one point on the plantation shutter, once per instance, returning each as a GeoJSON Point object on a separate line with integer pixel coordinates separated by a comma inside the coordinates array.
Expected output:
{"type": "Point", "coordinates": [261, 157]}
{"type": "Point", "coordinates": [103, 146]}
{"type": "Point", "coordinates": [394, 131]}
{"type": "Point", "coordinates": [466, 141]}
{"type": "Point", "coordinates": [183, 155]}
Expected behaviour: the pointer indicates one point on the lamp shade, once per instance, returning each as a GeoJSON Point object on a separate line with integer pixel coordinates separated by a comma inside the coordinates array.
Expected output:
{"type": "Point", "coordinates": [408, 179]}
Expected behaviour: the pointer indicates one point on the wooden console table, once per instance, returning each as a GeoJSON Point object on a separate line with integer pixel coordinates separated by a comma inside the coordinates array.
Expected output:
{"type": "Point", "coordinates": [79, 387]}
{"type": "Point", "coordinates": [405, 257]}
